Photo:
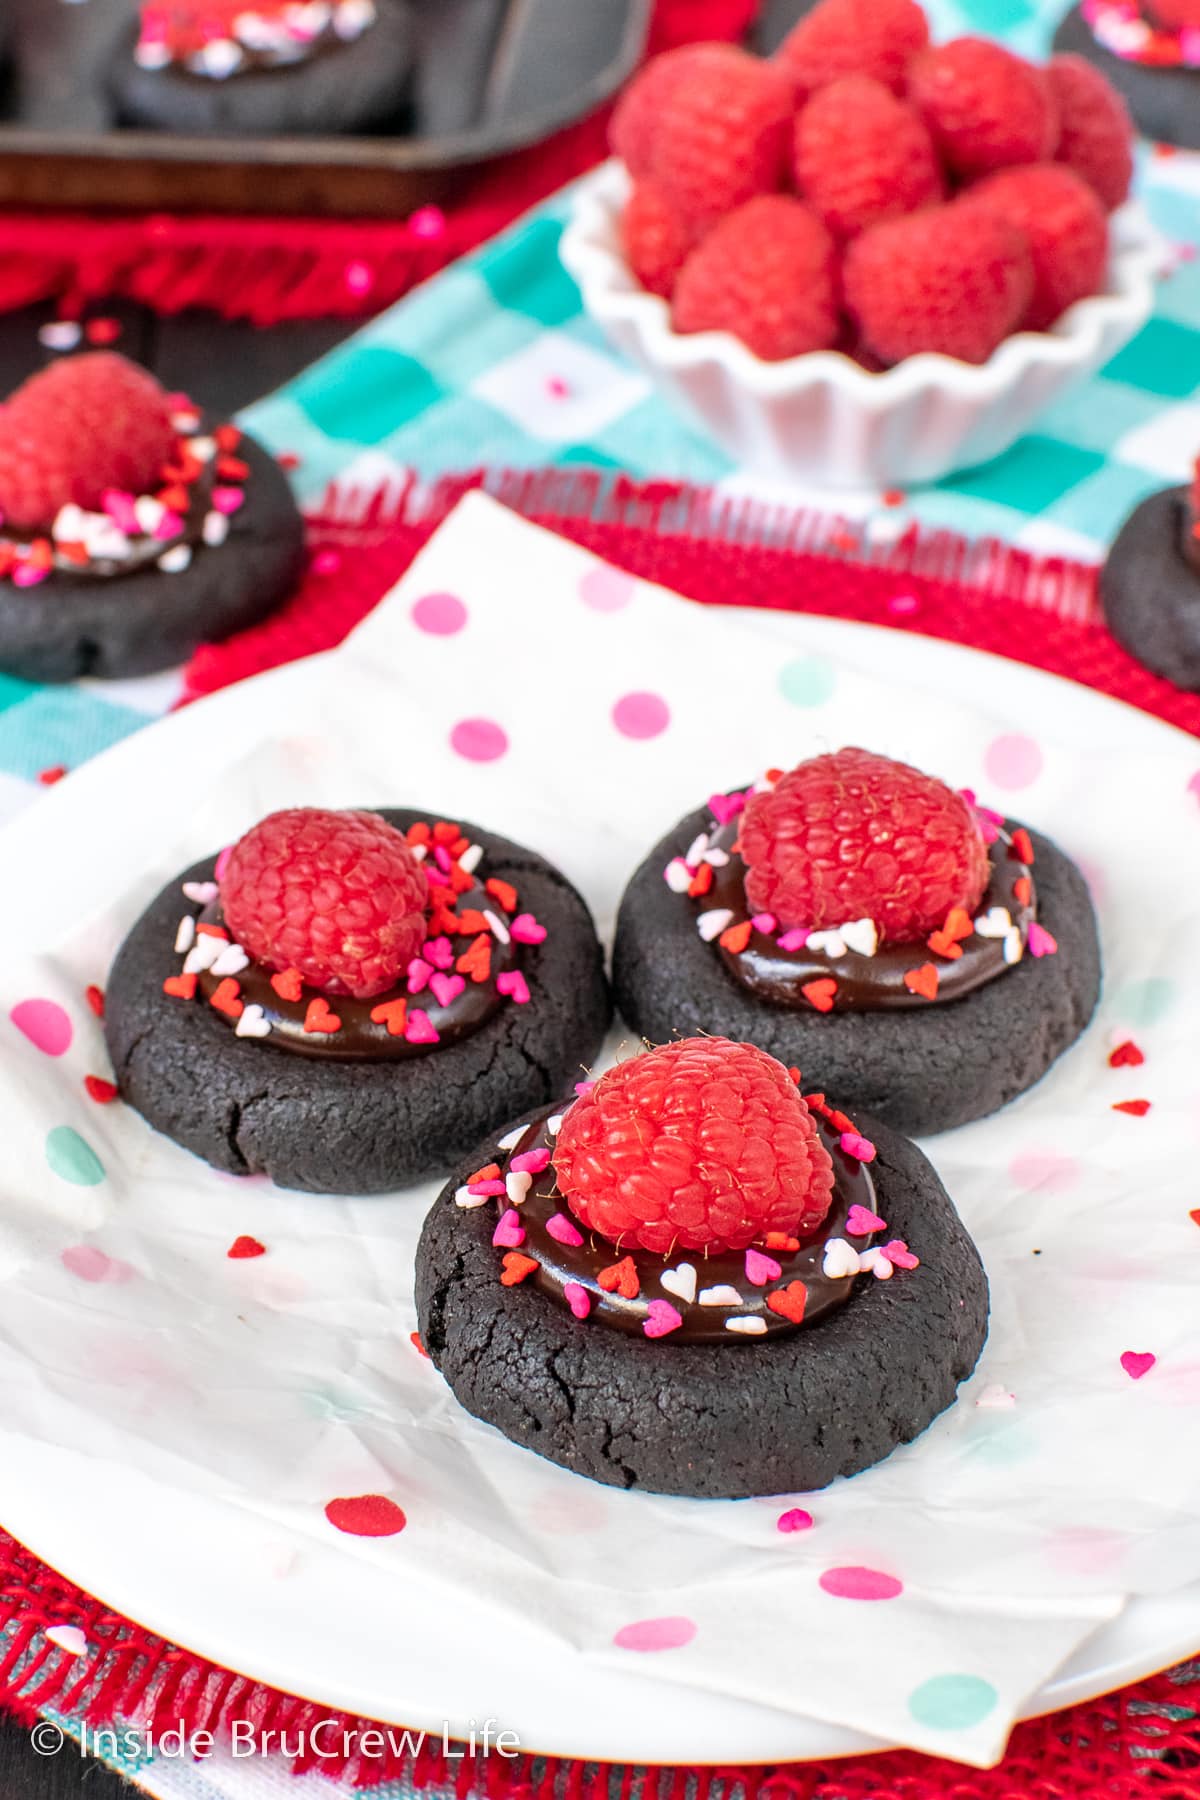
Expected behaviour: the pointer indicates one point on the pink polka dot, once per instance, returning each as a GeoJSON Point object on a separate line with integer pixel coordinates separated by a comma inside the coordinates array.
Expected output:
{"type": "Point", "coordinates": [45, 1024]}
{"type": "Point", "coordinates": [606, 590]}
{"type": "Point", "coordinates": [1043, 1171]}
{"type": "Point", "coordinates": [441, 615]}
{"type": "Point", "coordinates": [860, 1584]}
{"type": "Point", "coordinates": [1012, 761]}
{"type": "Point", "coordinates": [641, 715]}
{"type": "Point", "coordinates": [1085, 1549]}
{"type": "Point", "coordinates": [655, 1634]}
{"type": "Point", "coordinates": [89, 1264]}
{"type": "Point", "coordinates": [479, 740]}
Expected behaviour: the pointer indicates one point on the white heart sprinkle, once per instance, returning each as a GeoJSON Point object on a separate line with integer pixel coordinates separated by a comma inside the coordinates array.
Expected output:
{"type": "Point", "coordinates": [498, 928]}
{"type": "Point", "coordinates": [471, 858]}
{"type": "Point", "coordinates": [220, 58]}
{"type": "Point", "coordinates": [176, 560]}
{"type": "Point", "coordinates": [720, 1296]}
{"type": "Point", "coordinates": [203, 953]}
{"type": "Point", "coordinates": [718, 858]}
{"type": "Point", "coordinates": [826, 943]}
{"type": "Point", "coordinates": [202, 892]}
{"type": "Point", "coordinates": [232, 960]}
{"type": "Point", "coordinates": [996, 1397]}
{"type": "Point", "coordinates": [750, 1324]}
{"type": "Point", "coordinates": [151, 56]}
{"type": "Point", "coordinates": [554, 1125]}
{"type": "Point", "coordinates": [252, 1023]}
{"type": "Point", "coordinates": [517, 1185]}
{"type": "Point", "coordinates": [68, 1638]}
{"type": "Point", "coordinates": [995, 923]}
{"type": "Point", "coordinates": [840, 1260]}
{"type": "Point", "coordinates": [185, 937]}
{"type": "Point", "coordinates": [512, 1138]}
{"type": "Point", "coordinates": [680, 1281]}
{"type": "Point", "coordinates": [694, 854]}
{"type": "Point", "coordinates": [860, 935]}
{"type": "Point", "coordinates": [710, 925]}
{"type": "Point", "coordinates": [149, 513]}
{"type": "Point", "coordinates": [467, 1200]}
{"type": "Point", "coordinates": [678, 876]}
{"type": "Point", "coordinates": [1014, 949]}
{"type": "Point", "coordinates": [419, 851]}
{"type": "Point", "coordinates": [60, 334]}
{"type": "Point", "coordinates": [215, 529]}
{"type": "Point", "coordinates": [202, 448]}
{"type": "Point", "coordinates": [874, 1262]}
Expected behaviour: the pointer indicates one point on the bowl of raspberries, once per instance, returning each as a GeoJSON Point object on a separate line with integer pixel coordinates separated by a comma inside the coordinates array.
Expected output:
{"type": "Point", "coordinates": [867, 260]}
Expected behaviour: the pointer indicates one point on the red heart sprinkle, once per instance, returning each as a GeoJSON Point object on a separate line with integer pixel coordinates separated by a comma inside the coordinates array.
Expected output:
{"type": "Point", "coordinates": [1126, 1056]}
{"type": "Point", "coordinates": [319, 1017]}
{"type": "Point", "coordinates": [100, 1090]}
{"type": "Point", "coordinates": [243, 1248]}
{"type": "Point", "coordinates": [418, 833]}
{"type": "Point", "coordinates": [779, 1240]}
{"type": "Point", "coordinates": [489, 1172]}
{"type": "Point", "coordinates": [1022, 845]}
{"type": "Point", "coordinates": [1137, 1109]}
{"type": "Point", "coordinates": [181, 987]}
{"type": "Point", "coordinates": [1022, 890]}
{"type": "Point", "coordinates": [621, 1278]}
{"type": "Point", "coordinates": [227, 437]}
{"type": "Point", "coordinates": [789, 1302]}
{"type": "Point", "coordinates": [225, 998]}
{"type": "Point", "coordinates": [95, 999]}
{"type": "Point", "coordinates": [414, 1338]}
{"type": "Point", "coordinates": [820, 993]}
{"type": "Point", "coordinates": [701, 882]}
{"type": "Point", "coordinates": [288, 984]}
{"type": "Point", "coordinates": [1194, 1215]}
{"type": "Point", "coordinates": [516, 1267]}
{"type": "Point", "coordinates": [943, 945]}
{"type": "Point", "coordinates": [216, 931]}
{"type": "Point", "coordinates": [393, 1014]}
{"type": "Point", "coordinates": [366, 1515]}
{"type": "Point", "coordinates": [445, 833]}
{"type": "Point", "coordinates": [923, 981]}
{"type": "Point", "coordinates": [502, 891]}
{"type": "Point", "coordinates": [735, 937]}
{"type": "Point", "coordinates": [477, 961]}
{"type": "Point", "coordinates": [470, 921]}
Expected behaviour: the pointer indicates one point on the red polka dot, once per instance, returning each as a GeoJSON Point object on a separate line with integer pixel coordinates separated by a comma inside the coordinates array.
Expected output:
{"type": "Point", "coordinates": [366, 1515]}
{"type": "Point", "coordinates": [441, 615]}
{"type": "Point", "coordinates": [641, 715]}
{"type": "Point", "coordinates": [479, 740]}
{"type": "Point", "coordinates": [860, 1584]}
{"type": "Point", "coordinates": [45, 1024]}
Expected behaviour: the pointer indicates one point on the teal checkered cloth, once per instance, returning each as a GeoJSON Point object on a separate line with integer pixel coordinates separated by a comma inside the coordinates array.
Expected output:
{"type": "Point", "coordinates": [494, 362]}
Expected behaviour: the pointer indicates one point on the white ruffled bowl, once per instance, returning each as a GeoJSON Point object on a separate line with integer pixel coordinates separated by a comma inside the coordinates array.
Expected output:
{"type": "Point", "coordinates": [821, 418]}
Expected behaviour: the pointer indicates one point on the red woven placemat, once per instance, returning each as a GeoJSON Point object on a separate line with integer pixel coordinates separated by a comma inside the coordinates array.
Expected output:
{"type": "Point", "coordinates": [1142, 1741]}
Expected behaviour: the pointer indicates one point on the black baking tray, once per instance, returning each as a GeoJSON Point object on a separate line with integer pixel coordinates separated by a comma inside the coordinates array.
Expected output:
{"type": "Point", "coordinates": [492, 76]}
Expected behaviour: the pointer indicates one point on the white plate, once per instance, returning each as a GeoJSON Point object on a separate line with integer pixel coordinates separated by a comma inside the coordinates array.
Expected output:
{"type": "Point", "coordinates": [343, 1633]}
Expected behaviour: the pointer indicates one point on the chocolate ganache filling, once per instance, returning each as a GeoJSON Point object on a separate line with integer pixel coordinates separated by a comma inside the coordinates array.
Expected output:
{"type": "Point", "coordinates": [717, 1296]}
{"type": "Point", "coordinates": [777, 965]}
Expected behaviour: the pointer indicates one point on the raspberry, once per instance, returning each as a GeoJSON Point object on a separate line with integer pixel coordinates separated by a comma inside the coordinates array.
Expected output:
{"type": "Point", "coordinates": [768, 274]}
{"type": "Point", "coordinates": [852, 835]}
{"type": "Point", "coordinates": [953, 279]}
{"type": "Point", "coordinates": [77, 428]}
{"type": "Point", "coordinates": [655, 240]}
{"type": "Point", "coordinates": [701, 1145]}
{"type": "Point", "coordinates": [711, 125]}
{"type": "Point", "coordinates": [985, 107]}
{"type": "Point", "coordinates": [337, 895]}
{"type": "Point", "coordinates": [862, 156]}
{"type": "Point", "coordinates": [1067, 232]}
{"type": "Point", "coordinates": [854, 37]}
{"type": "Point", "coordinates": [1096, 135]}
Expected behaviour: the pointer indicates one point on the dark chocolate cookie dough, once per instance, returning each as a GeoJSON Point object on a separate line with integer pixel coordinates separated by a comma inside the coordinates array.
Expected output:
{"type": "Point", "coordinates": [355, 1127]}
{"type": "Point", "coordinates": [356, 86]}
{"type": "Point", "coordinates": [919, 1070]}
{"type": "Point", "coordinates": [723, 1421]}
{"type": "Point", "coordinates": [1151, 594]}
{"type": "Point", "coordinates": [119, 625]}
{"type": "Point", "coordinates": [1165, 102]}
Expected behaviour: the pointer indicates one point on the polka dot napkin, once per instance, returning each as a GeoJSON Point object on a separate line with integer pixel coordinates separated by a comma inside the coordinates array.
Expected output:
{"type": "Point", "coordinates": [252, 1349]}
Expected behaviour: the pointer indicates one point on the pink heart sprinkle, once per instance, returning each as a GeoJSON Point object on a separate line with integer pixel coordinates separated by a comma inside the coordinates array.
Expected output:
{"type": "Point", "coordinates": [25, 575]}
{"type": "Point", "coordinates": [119, 507]}
{"type": "Point", "coordinates": [861, 1223]}
{"type": "Point", "coordinates": [513, 983]}
{"type": "Point", "coordinates": [223, 862]}
{"type": "Point", "coordinates": [488, 1188]}
{"type": "Point", "coordinates": [760, 1269]}
{"type": "Point", "coordinates": [420, 1029]}
{"type": "Point", "coordinates": [724, 807]}
{"type": "Point", "coordinates": [509, 1231]}
{"type": "Point", "coordinates": [661, 1318]}
{"type": "Point", "coordinates": [794, 1519]}
{"type": "Point", "coordinates": [526, 930]}
{"type": "Point", "coordinates": [169, 526]}
{"type": "Point", "coordinates": [562, 1231]}
{"type": "Point", "coordinates": [794, 939]}
{"type": "Point", "coordinates": [764, 922]}
{"type": "Point", "coordinates": [577, 1298]}
{"type": "Point", "coordinates": [1137, 1363]}
{"type": "Point", "coordinates": [419, 972]}
{"type": "Point", "coordinates": [1040, 941]}
{"type": "Point", "coordinates": [900, 1256]}
{"type": "Point", "coordinates": [584, 1087]}
{"type": "Point", "coordinates": [446, 988]}
{"type": "Point", "coordinates": [862, 1149]}
{"type": "Point", "coordinates": [228, 499]}
{"type": "Point", "coordinates": [441, 857]}
{"type": "Point", "coordinates": [440, 952]}
{"type": "Point", "coordinates": [531, 1162]}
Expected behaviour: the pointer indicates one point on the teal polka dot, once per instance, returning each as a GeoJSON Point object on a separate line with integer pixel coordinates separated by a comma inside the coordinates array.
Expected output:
{"type": "Point", "coordinates": [807, 680]}
{"type": "Point", "coordinates": [71, 1158]}
{"type": "Point", "coordinates": [1145, 1002]}
{"type": "Point", "coordinates": [1000, 1440]}
{"type": "Point", "coordinates": [952, 1702]}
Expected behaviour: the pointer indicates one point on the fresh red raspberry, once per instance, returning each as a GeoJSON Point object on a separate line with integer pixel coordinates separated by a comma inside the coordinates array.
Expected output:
{"type": "Point", "coordinates": [768, 274]}
{"type": "Point", "coordinates": [655, 239]}
{"type": "Point", "coordinates": [985, 107]}
{"type": "Point", "coordinates": [83, 425]}
{"type": "Point", "coordinates": [854, 37]}
{"type": "Point", "coordinates": [862, 156]}
{"type": "Point", "coordinates": [337, 895]}
{"type": "Point", "coordinates": [1096, 132]}
{"type": "Point", "coordinates": [1066, 229]}
{"type": "Point", "coordinates": [635, 118]}
{"type": "Point", "coordinates": [702, 1145]}
{"type": "Point", "coordinates": [954, 279]}
{"type": "Point", "coordinates": [852, 835]}
{"type": "Point", "coordinates": [719, 132]}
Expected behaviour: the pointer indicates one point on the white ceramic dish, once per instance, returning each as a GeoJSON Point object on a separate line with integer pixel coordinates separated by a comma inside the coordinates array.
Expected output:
{"type": "Point", "coordinates": [822, 418]}
{"type": "Point", "coordinates": [346, 1632]}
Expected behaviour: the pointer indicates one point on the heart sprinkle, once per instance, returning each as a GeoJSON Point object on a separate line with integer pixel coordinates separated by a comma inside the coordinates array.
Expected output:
{"type": "Point", "coordinates": [509, 1232]}
{"type": "Point", "coordinates": [253, 1023]}
{"type": "Point", "coordinates": [531, 1162]}
{"type": "Point", "coordinates": [1040, 941]}
{"type": "Point", "coordinates": [516, 1268]}
{"type": "Point", "coordinates": [560, 1228]}
{"type": "Point", "coordinates": [225, 998]}
{"type": "Point", "coordinates": [661, 1319]}
{"type": "Point", "coordinates": [320, 1017]}
{"type": "Point", "coordinates": [861, 1148]}
{"type": "Point", "coordinates": [861, 1223]}
{"type": "Point", "coordinates": [420, 1028]}
{"type": "Point", "coordinates": [180, 987]}
{"type": "Point", "coordinates": [840, 1260]}
{"type": "Point", "coordinates": [789, 1302]}
{"type": "Point", "coordinates": [513, 983]}
{"type": "Point", "coordinates": [1126, 1056]}
{"type": "Point", "coordinates": [794, 1519]}
{"type": "Point", "coordinates": [1137, 1109]}
{"type": "Point", "coordinates": [621, 1278]}
{"type": "Point", "coordinates": [393, 1014]}
{"type": "Point", "coordinates": [720, 1296]}
{"type": "Point", "coordinates": [820, 993]}
{"type": "Point", "coordinates": [680, 1281]}
{"type": "Point", "coordinates": [748, 1324]}
{"type": "Point", "coordinates": [922, 981]}
{"type": "Point", "coordinates": [577, 1298]}
{"type": "Point", "coordinates": [1137, 1363]}
{"type": "Point", "coordinates": [243, 1249]}
{"type": "Point", "coordinates": [760, 1269]}
{"type": "Point", "coordinates": [517, 1185]}
{"type": "Point", "coordinates": [288, 984]}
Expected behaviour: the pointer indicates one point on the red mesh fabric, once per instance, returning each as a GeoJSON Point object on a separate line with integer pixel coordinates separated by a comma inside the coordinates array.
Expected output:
{"type": "Point", "coordinates": [267, 269]}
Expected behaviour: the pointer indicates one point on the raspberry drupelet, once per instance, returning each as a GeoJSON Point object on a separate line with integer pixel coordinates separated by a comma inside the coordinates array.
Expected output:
{"type": "Point", "coordinates": [699, 1145]}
